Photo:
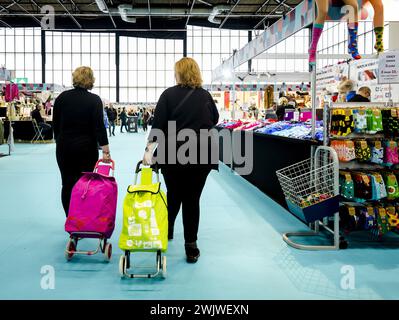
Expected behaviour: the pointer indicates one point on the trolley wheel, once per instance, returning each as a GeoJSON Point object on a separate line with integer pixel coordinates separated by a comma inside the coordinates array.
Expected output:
{"type": "Point", "coordinates": [343, 244]}
{"type": "Point", "coordinates": [108, 252]}
{"type": "Point", "coordinates": [71, 246]}
{"type": "Point", "coordinates": [122, 266]}
{"type": "Point", "coordinates": [164, 272]}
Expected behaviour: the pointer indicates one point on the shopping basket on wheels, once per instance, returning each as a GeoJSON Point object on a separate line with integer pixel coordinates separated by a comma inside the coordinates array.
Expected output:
{"type": "Point", "coordinates": [92, 211]}
{"type": "Point", "coordinates": [145, 223]}
{"type": "Point", "coordinates": [311, 190]}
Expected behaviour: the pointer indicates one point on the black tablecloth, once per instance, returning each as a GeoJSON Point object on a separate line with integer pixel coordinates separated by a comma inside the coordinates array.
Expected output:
{"type": "Point", "coordinates": [23, 130]}
{"type": "Point", "coordinates": [271, 153]}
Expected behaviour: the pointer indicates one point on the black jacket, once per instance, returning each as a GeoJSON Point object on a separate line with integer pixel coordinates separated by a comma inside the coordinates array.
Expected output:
{"type": "Point", "coordinates": [37, 116]}
{"type": "Point", "coordinates": [197, 112]}
{"type": "Point", "coordinates": [112, 114]}
{"type": "Point", "coordinates": [359, 98]}
{"type": "Point", "coordinates": [123, 117]}
{"type": "Point", "coordinates": [78, 116]}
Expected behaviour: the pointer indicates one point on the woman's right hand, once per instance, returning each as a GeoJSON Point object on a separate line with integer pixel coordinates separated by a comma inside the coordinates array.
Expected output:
{"type": "Point", "coordinates": [106, 154]}
{"type": "Point", "coordinates": [106, 157]}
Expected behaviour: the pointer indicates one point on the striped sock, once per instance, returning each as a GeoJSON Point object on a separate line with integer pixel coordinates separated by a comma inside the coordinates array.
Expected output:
{"type": "Point", "coordinates": [316, 33]}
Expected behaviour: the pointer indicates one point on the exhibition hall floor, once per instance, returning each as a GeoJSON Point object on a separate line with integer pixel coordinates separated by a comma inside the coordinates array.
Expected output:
{"type": "Point", "coordinates": [243, 255]}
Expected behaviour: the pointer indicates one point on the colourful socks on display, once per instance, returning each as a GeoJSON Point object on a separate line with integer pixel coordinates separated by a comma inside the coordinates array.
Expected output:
{"type": "Point", "coordinates": [316, 33]}
{"type": "Point", "coordinates": [352, 41]}
{"type": "Point", "coordinates": [379, 39]}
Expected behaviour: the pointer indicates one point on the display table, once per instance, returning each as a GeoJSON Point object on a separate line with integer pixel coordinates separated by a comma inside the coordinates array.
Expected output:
{"type": "Point", "coordinates": [23, 130]}
{"type": "Point", "coordinates": [271, 153]}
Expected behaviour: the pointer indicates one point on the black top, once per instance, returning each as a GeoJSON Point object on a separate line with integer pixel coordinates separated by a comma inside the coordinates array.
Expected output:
{"type": "Point", "coordinates": [37, 116]}
{"type": "Point", "coordinates": [112, 114]}
{"type": "Point", "coordinates": [280, 112]}
{"type": "Point", "coordinates": [123, 117]}
{"type": "Point", "coordinates": [197, 112]}
{"type": "Point", "coordinates": [359, 98]}
{"type": "Point", "coordinates": [79, 113]}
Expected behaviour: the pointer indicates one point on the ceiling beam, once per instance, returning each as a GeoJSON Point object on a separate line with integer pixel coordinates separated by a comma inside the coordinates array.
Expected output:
{"type": "Point", "coordinates": [270, 13]}
{"type": "Point", "coordinates": [228, 15]}
{"type": "Point", "coordinates": [191, 10]}
{"type": "Point", "coordinates": [9, 6]}
{"type": "Point", "coordinates": [76, 8]}
{"type": "Point", "coordinates": [262, 6]}
{"type": "Point", "coordinates": [149, 13]}
{"type": "Point", "coordinates": [5, 24]}
{"type": "Point", "coordinates": [37, 6]}
{"type": "Point", "coordinates": [3, 9]}
{"type": "Point", "coordinates": [26, 11]}
{"type": "Point", "coordinates": [70, 15]}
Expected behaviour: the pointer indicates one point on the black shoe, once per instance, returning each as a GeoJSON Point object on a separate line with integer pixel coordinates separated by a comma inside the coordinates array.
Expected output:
{"type": "Point", "coordinates": [192, 254]}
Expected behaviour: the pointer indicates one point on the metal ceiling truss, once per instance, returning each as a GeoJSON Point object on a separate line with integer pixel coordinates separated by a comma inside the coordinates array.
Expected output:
{"type": "Point", "coordinates": [70, 15]}
{"type": "Point", "coordinates": [270, 13]}
{"type": "Point", "coordinates": [228, 15]}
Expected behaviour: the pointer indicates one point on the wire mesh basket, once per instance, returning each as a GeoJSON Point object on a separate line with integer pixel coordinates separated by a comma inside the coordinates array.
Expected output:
{"type": "Point", "coordinates": [311, 187]}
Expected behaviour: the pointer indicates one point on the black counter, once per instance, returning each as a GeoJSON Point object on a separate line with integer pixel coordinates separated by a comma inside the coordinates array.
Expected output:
{"type": "Point", "coordinates": [270, 153]}
{"type": "Point", "coordinates": [23, 130]}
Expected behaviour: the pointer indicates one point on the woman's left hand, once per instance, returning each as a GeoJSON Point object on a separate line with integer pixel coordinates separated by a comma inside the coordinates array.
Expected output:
{"type": "Point", "coordinates": [148, 158]}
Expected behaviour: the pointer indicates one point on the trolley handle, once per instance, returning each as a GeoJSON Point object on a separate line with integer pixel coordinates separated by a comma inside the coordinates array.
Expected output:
{"type": "Point", "coordinates": [104, 169]}
{"type": "Point", "coordinates": [154, 167]}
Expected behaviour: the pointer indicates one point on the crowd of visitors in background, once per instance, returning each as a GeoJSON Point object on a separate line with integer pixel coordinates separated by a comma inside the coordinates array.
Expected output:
{"type": "Point", "coordinates": [144, 117]}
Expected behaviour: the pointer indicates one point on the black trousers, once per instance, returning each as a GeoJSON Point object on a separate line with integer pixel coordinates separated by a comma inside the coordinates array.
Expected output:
{"type": "Point", "coordinates": [124, 125]}
{"type": "Point", "coordinates": [73, 158]}
{"type": "Point", "coordinates": [184, 188]}
{"type": "Point", "coordinates": [111, 128]}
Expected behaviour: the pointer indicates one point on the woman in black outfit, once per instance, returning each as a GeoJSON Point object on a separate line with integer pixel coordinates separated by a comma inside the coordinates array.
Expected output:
{"type": "Point", "coordinates": [189, 107]}
{"type": "Point", "coordinates": [123, 118]}
{"type": "Point", "coordinates": [78, 122]}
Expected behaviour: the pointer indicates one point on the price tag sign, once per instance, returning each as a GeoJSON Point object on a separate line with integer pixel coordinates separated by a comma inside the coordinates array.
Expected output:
{"type": "Point", "coordinates": [388, 67]}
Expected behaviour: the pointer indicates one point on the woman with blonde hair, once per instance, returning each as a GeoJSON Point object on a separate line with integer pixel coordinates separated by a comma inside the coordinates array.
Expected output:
{"type": "Point", "coordinates": [184, 106]}
{"type": "Point", "coordinates": [78, 120]}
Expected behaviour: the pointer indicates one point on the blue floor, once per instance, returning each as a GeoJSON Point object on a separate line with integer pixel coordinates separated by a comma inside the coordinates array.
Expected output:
{"type": "Point", "coordinates": [243, 255]}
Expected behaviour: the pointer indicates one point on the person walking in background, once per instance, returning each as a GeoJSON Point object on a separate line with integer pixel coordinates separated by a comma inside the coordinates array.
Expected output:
{"type": "Point", "coordinates": [78, 122]}
{"type": "Point", "coordinates": [139, 118]}
{"type": "Point", "coordinates": [188, 106]}
{"type": "Point", "coordinates": [146, 119]}
{"type": "Point", "coordinates": [112, 115]}
{"type": "Point", "coordinates": [123, 118]}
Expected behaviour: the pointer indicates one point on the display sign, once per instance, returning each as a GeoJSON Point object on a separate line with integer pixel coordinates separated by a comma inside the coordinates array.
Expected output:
{"type": "Point", "coordinates": [328, 78]}
{"type": "Point", "coordinates": [388, 67]}
{"type": "Point", "coordinates": [365, 73]}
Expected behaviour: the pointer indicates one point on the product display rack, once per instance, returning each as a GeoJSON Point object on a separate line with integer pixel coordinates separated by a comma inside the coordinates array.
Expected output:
{"type": "Point", "coordinates": [368, 179]}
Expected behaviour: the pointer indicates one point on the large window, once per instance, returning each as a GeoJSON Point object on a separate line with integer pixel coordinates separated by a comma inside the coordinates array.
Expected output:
{"type": "Point", "coordinates": [20, 50]}
{"type": "Point", "coordinates": [147, 67]}
{"type": "Point", "coordinates": [279, 58]}
{"type": "Point", "coordinates": [65, 51]}
{"type": "Point", "coordinates": [208, 46]}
